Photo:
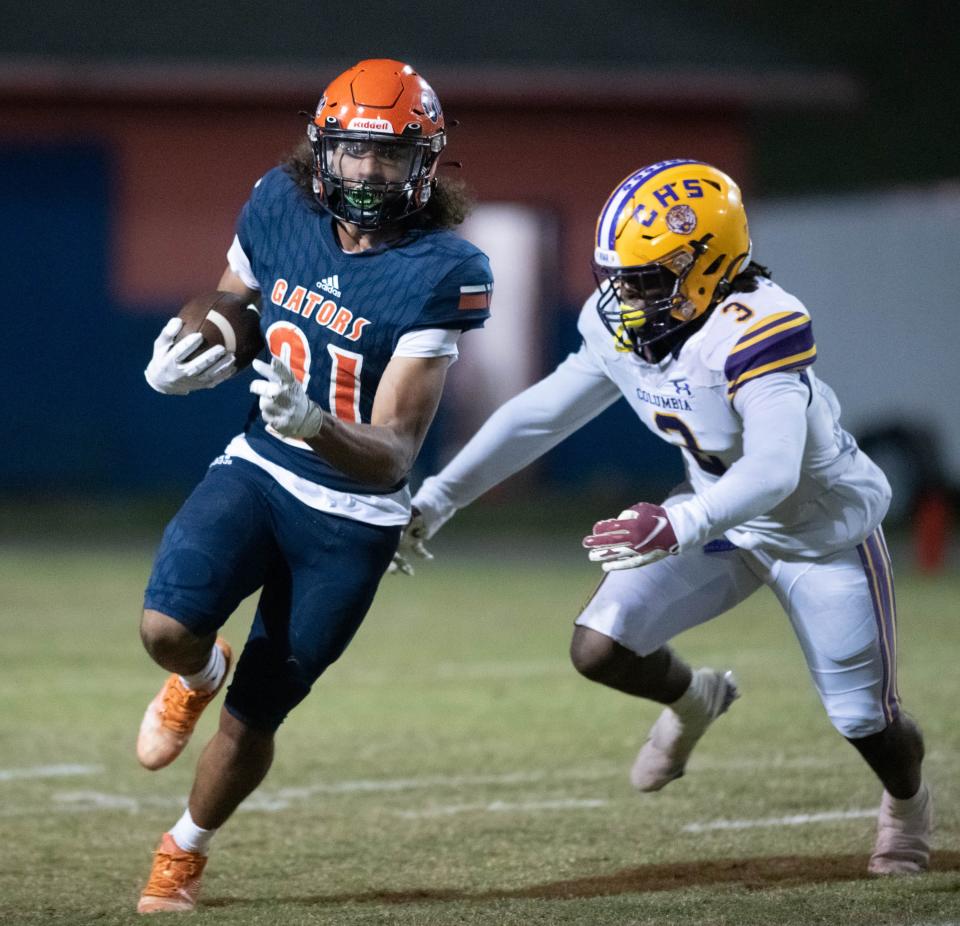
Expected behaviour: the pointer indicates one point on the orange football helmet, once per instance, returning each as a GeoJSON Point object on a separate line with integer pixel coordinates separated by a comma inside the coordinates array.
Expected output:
{"type": "Point", "coordinates": [377, 133]}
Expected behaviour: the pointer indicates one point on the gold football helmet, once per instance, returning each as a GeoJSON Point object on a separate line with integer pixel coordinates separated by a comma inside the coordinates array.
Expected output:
{"type": "Point", "coordinates": [670, 238]}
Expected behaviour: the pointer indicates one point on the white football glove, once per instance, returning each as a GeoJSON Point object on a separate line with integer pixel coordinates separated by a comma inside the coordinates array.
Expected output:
{"type": "Point", "coordinates": [411, 546]}
{"type": "Point", "coordinates": [284, 403]}
{"type": "Point", "coordinates": [169, 373]}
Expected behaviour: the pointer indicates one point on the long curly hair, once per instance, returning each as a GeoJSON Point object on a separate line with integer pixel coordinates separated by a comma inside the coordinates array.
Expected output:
{"type": "Point", "coordinates": [449, 204]}
{"type": "Point", "coordinates": [746, 280]}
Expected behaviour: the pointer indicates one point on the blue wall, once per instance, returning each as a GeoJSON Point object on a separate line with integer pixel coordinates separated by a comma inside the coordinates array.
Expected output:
{"type": "Point", "coordinates": [79, 415]}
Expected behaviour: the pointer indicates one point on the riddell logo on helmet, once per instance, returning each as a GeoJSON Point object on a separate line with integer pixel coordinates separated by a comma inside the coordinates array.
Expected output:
{"type": "Point", "coordinates": [371, 125]}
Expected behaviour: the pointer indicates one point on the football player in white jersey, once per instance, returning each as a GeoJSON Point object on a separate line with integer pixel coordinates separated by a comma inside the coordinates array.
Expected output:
{"type": "Point", "coordinates": [717, 359]}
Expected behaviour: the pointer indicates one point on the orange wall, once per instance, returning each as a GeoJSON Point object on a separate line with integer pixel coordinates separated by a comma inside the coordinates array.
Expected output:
{"type": "Point", "coordinates": [184, 171]}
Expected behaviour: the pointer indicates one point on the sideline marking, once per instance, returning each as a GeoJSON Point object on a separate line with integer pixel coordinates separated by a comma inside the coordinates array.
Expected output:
{"type": "Point", "coordinates": [502, 807]}
{"type": "Point", "coordinates": [48, 771]}
{"type": "Point", "coordinates": [97, 800]}
{"type": "Point", "coordinates": [282, 797]}
{"type": "Point", "coordinates": [456, 671]}
{"type": "Point", "coordinates": [793, 820]}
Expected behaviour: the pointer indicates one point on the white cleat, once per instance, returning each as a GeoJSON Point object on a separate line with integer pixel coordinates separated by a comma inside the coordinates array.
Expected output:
{"type": "Point", "coordinates": [903, 837]}
{"type": "Point", "coordinates": [665, 753]}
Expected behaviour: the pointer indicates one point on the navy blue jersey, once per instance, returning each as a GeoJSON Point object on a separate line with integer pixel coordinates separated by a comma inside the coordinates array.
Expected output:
{"type": "Point", "coordinates": [335, 318]}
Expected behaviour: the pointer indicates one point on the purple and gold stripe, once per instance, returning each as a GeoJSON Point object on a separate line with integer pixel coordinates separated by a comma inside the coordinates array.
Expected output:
{"type": "Point", "coordinates": [784, 342]}
{"type": "Point", "coordinates": [767, 327]}
{"type": "Point", "coordinates": [611, 213]}
{"type": "Point", "coordinates": [876, 564]}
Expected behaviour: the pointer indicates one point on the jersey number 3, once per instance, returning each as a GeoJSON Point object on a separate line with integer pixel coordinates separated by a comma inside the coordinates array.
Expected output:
{"type": "Point", "coordinates": [289, 343]}
{"type": "Point", "coordinates": [707, 462]}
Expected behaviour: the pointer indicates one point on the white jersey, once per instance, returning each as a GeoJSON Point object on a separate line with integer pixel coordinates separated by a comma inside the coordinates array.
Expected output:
{"type": "Point", "coordinates": [695, 401]}
{"type": "Point", "coordinates": [767, 462]}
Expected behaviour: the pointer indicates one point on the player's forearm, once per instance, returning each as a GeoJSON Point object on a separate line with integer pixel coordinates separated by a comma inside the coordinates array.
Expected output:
{"type": "Point", "coordinates": [494, 453]}
{"type": "Point", "coordinates": [373, 454]}
{"type": "Point", "coordinates": [519, 432]}
{"type": "Point", "coordinates": [750, 488]}
{"type": "Point", "coordinates": [775, 432]}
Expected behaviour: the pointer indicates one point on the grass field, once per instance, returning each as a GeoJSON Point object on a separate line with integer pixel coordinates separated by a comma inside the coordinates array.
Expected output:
{"type": "Point", "coordinates": [453, 768]}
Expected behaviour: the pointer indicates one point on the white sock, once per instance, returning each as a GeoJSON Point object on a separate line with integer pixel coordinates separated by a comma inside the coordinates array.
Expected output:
{"type": "Point", "coordinates": [210, 675]}
{"type": "Point", "coordinates": [189, 836]}
{"type": "Point", "coordinates": [691, 701]}
{"type": "Point", "coordinates": [907, 806]}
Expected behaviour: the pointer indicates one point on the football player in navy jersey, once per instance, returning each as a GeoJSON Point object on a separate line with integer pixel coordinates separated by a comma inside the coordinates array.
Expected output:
{"type": "Point", "coordinates": [716, 359]}
{"type": "Point", "coordinates": [363, 293]}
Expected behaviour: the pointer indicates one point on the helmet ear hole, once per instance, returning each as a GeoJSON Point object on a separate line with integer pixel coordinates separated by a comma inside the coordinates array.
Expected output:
{"type": "Point", "coordinates": [714, 266]}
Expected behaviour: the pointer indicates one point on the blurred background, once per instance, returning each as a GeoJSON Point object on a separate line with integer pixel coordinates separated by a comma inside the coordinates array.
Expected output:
{"type": "Point", "coordinates": [130, 135]}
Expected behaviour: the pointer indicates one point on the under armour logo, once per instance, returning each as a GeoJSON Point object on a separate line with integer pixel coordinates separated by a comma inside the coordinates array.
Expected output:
{"type": "Point", "coordinates": [682, 386]}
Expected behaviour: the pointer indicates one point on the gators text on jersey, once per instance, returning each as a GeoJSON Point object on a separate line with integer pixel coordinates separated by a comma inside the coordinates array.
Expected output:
{"type": "Point", "coordinates": [337, 318]}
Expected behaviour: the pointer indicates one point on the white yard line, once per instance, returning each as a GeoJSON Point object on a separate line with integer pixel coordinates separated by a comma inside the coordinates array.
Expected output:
{"type": "Point", "coordinates": [282, 798]}
{"type": "Point", "coordinates": [447, 810]}
{"type": "Point", "coordinates": [69, 802]}
{"type": "Point", "coordinates": [272, 801]}
{"type": "Point", "coordinates": [792, 820]}
{"type": "Point", "coordinates": [48, 771]}
{"type": "Point", "coordinates": [462, 671]}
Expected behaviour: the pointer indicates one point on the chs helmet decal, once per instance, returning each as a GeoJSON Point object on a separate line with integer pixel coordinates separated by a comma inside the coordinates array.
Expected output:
{"type": "Point", "coordinates": [670, 239]}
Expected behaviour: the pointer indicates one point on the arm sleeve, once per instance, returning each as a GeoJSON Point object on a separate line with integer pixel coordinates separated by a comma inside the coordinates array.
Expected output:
{"type": "Point", "coordinates": [239, 263]}
{"type": "Point", "coordinates": [519, 432]}
{"type": "Point", "coordinates": [774, 413]}
{"type": "Point", "coordinates": [251, 226]}
{"type": "Point", "coordinates": [429, 342]}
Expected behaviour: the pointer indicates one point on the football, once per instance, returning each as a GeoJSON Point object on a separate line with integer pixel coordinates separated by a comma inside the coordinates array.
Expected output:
{"type": "Point", "coordinates": [227, 319]}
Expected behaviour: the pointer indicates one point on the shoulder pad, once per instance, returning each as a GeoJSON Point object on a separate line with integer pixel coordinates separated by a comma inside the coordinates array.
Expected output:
{"type": "Point", "coordinates": [737, 314]}
{"type": "Point", "coordinates": [767, 331]}
{"type": "Point", "coordinates": [461, 298]}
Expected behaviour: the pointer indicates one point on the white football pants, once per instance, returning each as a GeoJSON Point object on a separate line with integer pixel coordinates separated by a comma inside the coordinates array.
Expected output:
{"type": "Point", "coordinates": [841, 607]}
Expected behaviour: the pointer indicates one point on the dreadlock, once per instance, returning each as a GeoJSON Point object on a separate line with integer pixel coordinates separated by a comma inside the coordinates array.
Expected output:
{"type": "Point", "coordinates": [746, 280]}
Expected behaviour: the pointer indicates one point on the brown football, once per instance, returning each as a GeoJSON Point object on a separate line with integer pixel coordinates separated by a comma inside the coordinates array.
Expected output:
{"type": "Point", "coordinates": [227, 319]}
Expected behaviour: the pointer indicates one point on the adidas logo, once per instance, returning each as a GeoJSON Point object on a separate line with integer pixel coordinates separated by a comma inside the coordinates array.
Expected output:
{"type": "Point", "coordinates": [330, 285]}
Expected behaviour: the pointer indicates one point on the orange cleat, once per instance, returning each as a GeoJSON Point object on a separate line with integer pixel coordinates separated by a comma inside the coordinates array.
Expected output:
{"type": "Point", "coordinates": [172, 716]}
{"type": "Point", "coordinates": [174, 879]}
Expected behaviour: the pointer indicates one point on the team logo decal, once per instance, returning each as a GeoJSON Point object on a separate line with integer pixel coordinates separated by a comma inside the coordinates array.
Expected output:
{"type": "Point", "coordinates": [431, 105]}
{"type": "Point", "coordinates": [681, 220]}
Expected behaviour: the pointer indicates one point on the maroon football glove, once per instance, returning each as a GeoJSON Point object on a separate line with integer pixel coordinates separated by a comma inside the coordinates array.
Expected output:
{"type": "Point", "coordinates": [642, 534]}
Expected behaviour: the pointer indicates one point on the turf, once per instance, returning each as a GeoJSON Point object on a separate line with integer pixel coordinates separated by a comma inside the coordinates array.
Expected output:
{"type": "Point", "coordinates": [453, 768]}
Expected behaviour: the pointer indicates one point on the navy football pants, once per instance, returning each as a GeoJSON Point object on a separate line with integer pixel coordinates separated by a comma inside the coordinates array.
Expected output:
{"type": "Point", "coordinates": [238, 532]}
